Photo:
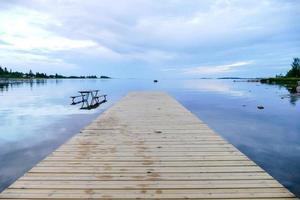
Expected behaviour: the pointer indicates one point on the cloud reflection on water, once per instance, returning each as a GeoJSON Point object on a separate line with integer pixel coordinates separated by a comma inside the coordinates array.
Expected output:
{"type": "Point", "coordinates": [214, 86]}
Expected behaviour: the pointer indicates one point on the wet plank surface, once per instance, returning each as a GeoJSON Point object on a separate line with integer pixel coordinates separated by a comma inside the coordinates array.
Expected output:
{"type": "Point", "coordinates": [147, 146]}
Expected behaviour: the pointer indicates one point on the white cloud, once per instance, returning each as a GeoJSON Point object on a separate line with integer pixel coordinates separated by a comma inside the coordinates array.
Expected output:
{"type": "Point", "coordinates": [150, 56]}
{"type": "Point", "coordinates": [20, 61]}
{"type": "Point", "coordinates": [141, 25]}
{"type": "Point", "coordinates": [25, 31]}
{"type": "Point", "coordinates": [218, 69]}
{"type": "Point", "coordinates": [168, 69]}
{"type": "Point", "coordinates": [223, 22]}
{"type": "Point", "coordinates": [147, 32]}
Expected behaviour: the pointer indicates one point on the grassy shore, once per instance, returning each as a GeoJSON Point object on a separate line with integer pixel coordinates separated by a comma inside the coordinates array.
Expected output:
{"type": "Point", "coordinates": [280, 80]}
{"type": "Point", "coordinates": [289, 83]}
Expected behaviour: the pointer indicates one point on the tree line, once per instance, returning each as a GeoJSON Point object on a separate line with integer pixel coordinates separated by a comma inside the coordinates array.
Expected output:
{"type": "Point", "coordinates": [294, 72]}
{"type": "Point", "coordinates": [5, 73]}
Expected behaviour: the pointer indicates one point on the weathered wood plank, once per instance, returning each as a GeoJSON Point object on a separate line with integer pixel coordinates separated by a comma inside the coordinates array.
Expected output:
{"type": "Point", "coordinates": [149, 194]}
{"type": "Point", "coordinates": [153, 176]}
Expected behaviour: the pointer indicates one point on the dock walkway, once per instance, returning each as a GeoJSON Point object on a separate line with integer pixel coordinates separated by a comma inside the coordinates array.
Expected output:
{"type": "Point", "coordinates": [147, 146]}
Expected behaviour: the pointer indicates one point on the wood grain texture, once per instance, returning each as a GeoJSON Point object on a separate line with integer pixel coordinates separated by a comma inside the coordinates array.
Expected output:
{"type": "Point", "coordinates": [147, 146]}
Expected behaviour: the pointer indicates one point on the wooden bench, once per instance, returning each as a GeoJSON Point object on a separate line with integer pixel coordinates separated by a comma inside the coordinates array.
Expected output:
{"type": "Point", "coordinates": [99, 96]}
{"type": "Point", "coordinates": [85, 97]}
{"type": "Point", "coordinates": [74, 98]}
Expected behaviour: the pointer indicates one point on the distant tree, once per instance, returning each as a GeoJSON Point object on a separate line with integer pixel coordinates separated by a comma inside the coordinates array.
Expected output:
{"type": "Point", "coordinates": [295, 71]}
{"type": "Point", "coordinates": [91, 76]}
{"type": "Point", "coordinates": [5, 73]}
{"type": "Point", "coordinates": [105, 77]}
{"type": "Point", "coordinates": [30, 74]}
{"type": "Point", "coordinates": [59, 76]}
{"type": "Point", "coordinates": [41, 75]}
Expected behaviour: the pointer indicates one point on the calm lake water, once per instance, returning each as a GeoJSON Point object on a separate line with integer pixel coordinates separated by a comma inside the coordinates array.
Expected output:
{"type": "Point", "coordinates": [36, 117]}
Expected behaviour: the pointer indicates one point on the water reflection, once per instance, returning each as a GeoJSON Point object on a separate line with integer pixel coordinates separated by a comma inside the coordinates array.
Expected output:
{"type": "Point", "coordinates": [214, 86]}
{"type": "Point", "coordinates": [7, 84]}
{"type": "Point", "coordinates": [293, 96]}
{"type": "Point", "coordinates": [93, 105]}
{"type": "Point", "coordinates": [36, 117]}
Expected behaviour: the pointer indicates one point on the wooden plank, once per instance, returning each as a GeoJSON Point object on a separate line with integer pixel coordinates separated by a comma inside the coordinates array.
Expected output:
{"type": "Point", "coordinates": [150, 163]}
{"type": "Point", "coordinates": [146, 169]}
{"type": "Point", "coordinates": [203, 184]}
{"type": "Point", "coordinates": [153, 176]}
{"type": "Point", "coordinates": [148, 194]}
{"type": "Point", "coordinates": [147, 146]}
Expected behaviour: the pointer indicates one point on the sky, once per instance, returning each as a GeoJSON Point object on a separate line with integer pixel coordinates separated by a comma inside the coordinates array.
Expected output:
{"type": "Point", "coordinates": [150, 38]}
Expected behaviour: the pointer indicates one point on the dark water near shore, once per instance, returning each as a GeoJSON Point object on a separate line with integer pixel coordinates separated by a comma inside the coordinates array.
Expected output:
{"type": "Point", "coordinates": [36, 117]}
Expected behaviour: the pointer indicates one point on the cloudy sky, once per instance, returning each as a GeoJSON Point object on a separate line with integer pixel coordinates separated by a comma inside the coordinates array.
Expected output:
{"type": "Point", "coordinates": [150, 38]}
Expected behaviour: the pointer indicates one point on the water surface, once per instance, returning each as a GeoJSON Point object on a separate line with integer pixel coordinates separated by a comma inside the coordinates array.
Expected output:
{"type": "Point", "coordinates": [36, 117]}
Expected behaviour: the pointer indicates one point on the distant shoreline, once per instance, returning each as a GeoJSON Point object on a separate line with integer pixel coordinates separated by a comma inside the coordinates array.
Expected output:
{"type": "Point", "coordinates": [6, 73]}
{"type": "Point", "coordinates": [269, 80]}
{"type": "Point", "coordinates": [280, 80]}
{"type": "Point", "coordinates": [290, 83]}
{"type": "Point", "coordinates": [26, 79]}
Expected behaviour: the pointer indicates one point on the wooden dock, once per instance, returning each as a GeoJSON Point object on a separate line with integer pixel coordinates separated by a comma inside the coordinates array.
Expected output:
{"type": "Point", "coordinates": [147, 146]}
